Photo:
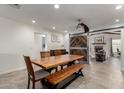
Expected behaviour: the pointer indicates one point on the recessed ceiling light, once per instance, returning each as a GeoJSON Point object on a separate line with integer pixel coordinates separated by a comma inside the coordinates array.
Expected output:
{"type": "Point", "coordinates": [43, 35]}
{"type": "Point", "coordinates": [33, 21]}
{"type": "Point", "coordinates": [54, 27]}
{"type": "Point", "coordinates": [65, 31]}
{"type": "Point", "coordinates": [118, 7]}
{"type": "Point", "coordinates": [117, 20]}
{"type": "Point", "coordinates": [56, 6]}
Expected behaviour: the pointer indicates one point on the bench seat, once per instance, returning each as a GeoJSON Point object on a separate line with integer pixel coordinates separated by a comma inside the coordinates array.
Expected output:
{"type": "Point", "coordinates": [61, 75]}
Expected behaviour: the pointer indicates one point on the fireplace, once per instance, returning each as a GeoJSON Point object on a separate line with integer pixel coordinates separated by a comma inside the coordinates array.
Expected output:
{"type": "Point", "coordinates": [98, 48]}
{"type": "Point", "coordinates": [100, 54]}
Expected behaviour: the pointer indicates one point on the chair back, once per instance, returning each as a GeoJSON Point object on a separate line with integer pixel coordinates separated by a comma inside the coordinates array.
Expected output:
{"type": "Point", "coordinates": [57, 52]}
{"type": "Point", "coordinates": [64, 51]}
{"type": "Point", "coordinates": [45, 54]}
{"type": "Point", "coordinates": [29, 66]}
{"type": "Point", "coordinates": [52, 53]}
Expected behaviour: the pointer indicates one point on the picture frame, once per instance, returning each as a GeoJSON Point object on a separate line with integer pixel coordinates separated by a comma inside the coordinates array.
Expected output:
{"type": "Point", "coordinates": [99, 39]}
{"type": "Point", "coordinates": [54, 38]}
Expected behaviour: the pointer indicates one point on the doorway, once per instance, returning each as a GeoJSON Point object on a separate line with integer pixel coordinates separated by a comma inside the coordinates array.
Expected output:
{"type": "Point", "coordinates": [39, 43]}
{"type": "Point", "coordinates": [116, 47]}
{"type": "Point", "coordinates": [44, 46]}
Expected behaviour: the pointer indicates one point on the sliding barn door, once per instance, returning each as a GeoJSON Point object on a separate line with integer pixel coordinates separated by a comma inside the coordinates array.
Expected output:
{"type": "Point", "coordinates": [79, 46]}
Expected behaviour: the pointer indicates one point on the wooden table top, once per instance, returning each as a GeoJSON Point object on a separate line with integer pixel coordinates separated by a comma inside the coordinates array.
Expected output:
{"type": "Point", "coordinates": [54, 61]}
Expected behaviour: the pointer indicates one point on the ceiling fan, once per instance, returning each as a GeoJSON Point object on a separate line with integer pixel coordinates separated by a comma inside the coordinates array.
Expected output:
{"type": "Point", "coordinates": [82, 26]}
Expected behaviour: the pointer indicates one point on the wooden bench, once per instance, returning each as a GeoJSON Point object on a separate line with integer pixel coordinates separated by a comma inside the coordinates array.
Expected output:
{"type": "Point", "coordinates": [54, 79]}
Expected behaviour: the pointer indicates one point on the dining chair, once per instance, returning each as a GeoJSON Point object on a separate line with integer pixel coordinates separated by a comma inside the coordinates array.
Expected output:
{"type": "Point", "coordinates": [46, 54]}
{"type": "Point", "coordinates": [34, 76]}
{"type": "Point", "coordinates": [57, 52]}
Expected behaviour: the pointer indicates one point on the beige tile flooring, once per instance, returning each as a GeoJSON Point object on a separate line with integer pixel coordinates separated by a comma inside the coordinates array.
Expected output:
{"type": "Point", "coordinates": [97, 76]}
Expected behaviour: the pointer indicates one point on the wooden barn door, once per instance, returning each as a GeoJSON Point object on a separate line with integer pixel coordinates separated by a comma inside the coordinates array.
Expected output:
{"type": "Point", "coordinates": [79, 46]}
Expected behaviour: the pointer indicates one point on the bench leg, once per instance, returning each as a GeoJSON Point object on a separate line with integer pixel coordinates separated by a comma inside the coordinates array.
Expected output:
{"type": "Point", "coordinates": [52, 86]}
{"type": "Point", "coordinates": [81, 73]}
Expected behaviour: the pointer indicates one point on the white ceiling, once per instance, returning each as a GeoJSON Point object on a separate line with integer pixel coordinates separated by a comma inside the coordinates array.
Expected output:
{"type": "Point", "coordinates": [65, 18]}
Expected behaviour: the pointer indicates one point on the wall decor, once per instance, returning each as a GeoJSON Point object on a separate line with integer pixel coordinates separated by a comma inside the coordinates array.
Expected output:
{"type": "Point", "coordinates": [99, 39]}
{"type": "Point", "coordinates": [54, 38]}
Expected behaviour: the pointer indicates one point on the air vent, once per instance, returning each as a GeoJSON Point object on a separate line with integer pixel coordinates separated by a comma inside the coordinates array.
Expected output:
{"type": "Point", "coordinates": [17, 6]}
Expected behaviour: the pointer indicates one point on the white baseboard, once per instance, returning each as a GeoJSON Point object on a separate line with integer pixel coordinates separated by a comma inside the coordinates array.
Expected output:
{"type": "Point", "coordinates": [12, 70]}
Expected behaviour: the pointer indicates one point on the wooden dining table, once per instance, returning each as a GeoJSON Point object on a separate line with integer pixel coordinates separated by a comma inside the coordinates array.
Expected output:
{"type": "Point", "coordinates": [54, 61]}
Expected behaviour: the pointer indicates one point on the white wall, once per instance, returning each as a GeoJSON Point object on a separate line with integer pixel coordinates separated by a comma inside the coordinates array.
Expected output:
{"type": "Point", "coordinates": [55, 45]}
{"type": "Point", "coordinates": [122, 49]}
{"type": "Point", "coordinates": [17, 39]}
{"type": "Point", "coordinates": [66, 41]}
